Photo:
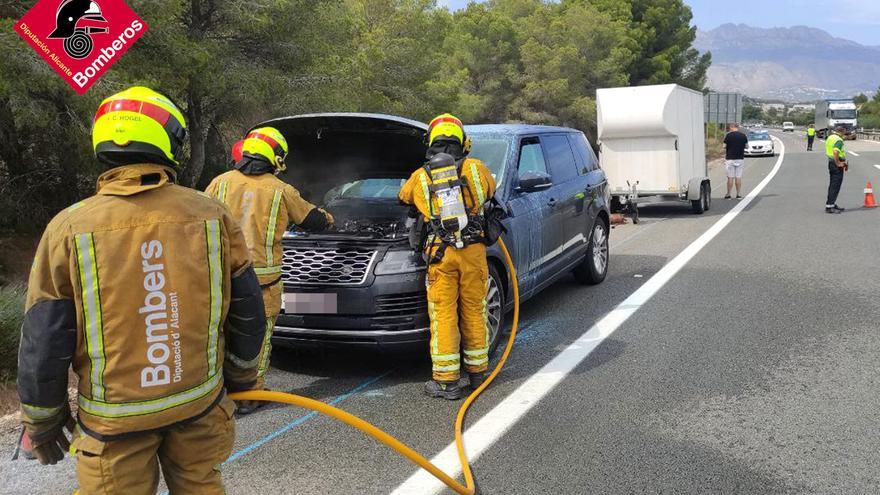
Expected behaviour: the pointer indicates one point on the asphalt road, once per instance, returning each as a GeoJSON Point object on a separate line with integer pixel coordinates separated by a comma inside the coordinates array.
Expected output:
{"type": "Point", "coordinates": [752, 370]}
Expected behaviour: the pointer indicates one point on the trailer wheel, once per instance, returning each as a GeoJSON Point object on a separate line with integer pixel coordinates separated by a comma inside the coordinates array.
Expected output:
{"type": "Point", "coordinates": [699, 205]}
{"type": "Point", "coordinates": [708, 188]}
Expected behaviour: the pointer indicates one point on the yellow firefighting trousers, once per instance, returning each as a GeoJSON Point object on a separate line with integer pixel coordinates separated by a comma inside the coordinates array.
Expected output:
{"type": "Point", "coordinates": [190, 455]}
{"type": "Point", "coordinates": [457, 288]}
{"type": "Point", "coordinates": [272, 302]}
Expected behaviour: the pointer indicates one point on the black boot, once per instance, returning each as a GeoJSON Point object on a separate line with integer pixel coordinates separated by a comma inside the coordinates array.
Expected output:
{"type": "Point", "coordinates": [477, 379]}
{"type": "Point", "coordinates": [444, 390]}
{"type": "Point", "coordinates": [245, 407]}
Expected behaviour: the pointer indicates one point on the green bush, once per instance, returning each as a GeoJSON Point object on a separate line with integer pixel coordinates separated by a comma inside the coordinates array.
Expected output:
{"type": "Point", "coordinates": [11, 315]}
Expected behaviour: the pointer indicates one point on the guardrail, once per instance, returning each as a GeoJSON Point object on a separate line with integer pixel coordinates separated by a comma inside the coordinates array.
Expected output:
{"type": "Point", "coordinates": [869, 134]}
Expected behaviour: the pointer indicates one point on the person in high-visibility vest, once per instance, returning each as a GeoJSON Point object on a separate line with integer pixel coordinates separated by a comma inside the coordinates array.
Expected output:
{"type": "Point", "coordinates": [837, 165]}
{"type": "Point", "coordinates": [811, 136]}
{"type": "Point", "coordinates": [147, 291]}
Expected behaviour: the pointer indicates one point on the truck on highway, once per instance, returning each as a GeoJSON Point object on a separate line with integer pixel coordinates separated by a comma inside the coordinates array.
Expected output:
{"type": "Point", "coordinates": [652, 146]}
{"type": "Point", "coordinates": [836, 112]}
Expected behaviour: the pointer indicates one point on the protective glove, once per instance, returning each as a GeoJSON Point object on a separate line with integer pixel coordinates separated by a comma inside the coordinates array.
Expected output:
{"type": "Point", "coordinates": [48, 440]}
{"type": "Point", "coordinates": [238, 379]}
{"type": "Point", "coordinates": [330, 220]}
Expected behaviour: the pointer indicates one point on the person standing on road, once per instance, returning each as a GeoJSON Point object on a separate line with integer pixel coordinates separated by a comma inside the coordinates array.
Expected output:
{"type": "Point", "coordinates": [811, 136]}
{"type": "Point", "coordinates": [458, 274]}
{"type": "Point", "coordinates": [837, 166]}
{"type": "Point", "coordinates": [148, 291]}
{"type": "Point", "coordinates": [265, 206]}
{"type": "Point", "coordinates": [735, 143]}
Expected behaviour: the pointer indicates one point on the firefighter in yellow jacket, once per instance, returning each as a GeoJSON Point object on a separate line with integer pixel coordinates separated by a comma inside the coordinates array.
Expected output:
{"type": "Point", "coordinates": [450, 192]}
{"type": "Point", "coordinates": [265, 206]}
{"type": "Point", "coordinates": [148, 291]}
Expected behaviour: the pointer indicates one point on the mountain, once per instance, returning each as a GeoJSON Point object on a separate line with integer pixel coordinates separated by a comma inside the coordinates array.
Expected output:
{"type": "Point", "coordinates": [794, 64]}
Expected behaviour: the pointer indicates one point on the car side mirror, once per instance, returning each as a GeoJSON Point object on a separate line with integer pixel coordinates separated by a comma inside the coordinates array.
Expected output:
{"type": "Point", "coordinates": [532, 181]}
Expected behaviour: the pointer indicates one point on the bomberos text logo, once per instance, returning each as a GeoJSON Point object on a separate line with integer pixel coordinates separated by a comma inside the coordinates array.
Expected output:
{"type": "Point", "coordinates": [81, 39]}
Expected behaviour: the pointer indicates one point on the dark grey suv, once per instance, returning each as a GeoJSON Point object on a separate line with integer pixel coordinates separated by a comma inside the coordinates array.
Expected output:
{"type": "Point", "coordinates": [363, 285]}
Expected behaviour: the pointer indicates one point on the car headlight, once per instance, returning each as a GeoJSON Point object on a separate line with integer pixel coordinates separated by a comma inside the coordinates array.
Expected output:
{"type": "Point", "coordinates": [396, 262]}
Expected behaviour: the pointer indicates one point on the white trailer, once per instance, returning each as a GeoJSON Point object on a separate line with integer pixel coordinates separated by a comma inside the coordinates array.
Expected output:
{"type": "Point", "coordinates": [652, 146]}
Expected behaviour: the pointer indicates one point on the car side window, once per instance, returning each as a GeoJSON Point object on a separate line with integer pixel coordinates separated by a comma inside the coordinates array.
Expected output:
{"type": "Point", "coordinates": [561, 158]}
{"type": "Point", "coordinates": [587, 160]}
{"type": "Point", "coordinates": [531, 156]}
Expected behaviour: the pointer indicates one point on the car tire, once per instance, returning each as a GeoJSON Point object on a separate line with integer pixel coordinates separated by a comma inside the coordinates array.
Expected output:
{"type": "Point", "coordinates": [594, 268]}
{"type": "Point", "coordinates": [495, 301]}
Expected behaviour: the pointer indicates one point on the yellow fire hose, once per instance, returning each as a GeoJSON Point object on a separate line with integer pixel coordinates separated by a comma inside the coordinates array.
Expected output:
{"type": "Point", "coordinates": [469, 488]}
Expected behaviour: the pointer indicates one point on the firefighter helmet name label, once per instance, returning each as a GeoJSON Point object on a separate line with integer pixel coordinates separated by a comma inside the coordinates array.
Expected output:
{"type": "Point", "coordinates": [80, 39]}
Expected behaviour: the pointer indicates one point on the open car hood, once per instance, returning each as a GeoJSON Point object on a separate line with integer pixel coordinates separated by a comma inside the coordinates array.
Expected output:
{"type": "Point", "coordinates": [329, 149]}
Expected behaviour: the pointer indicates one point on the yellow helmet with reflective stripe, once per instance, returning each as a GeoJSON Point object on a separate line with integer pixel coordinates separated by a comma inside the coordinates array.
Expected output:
{"type": "Point", "coordinates": [446, 125]}
{"type": "Point", "coordinates": [268, 143]}
{"type": "Point", "coordinates": [138, 125]}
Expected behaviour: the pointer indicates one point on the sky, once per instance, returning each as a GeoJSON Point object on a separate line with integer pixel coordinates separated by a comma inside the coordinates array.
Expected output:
{"type": "Point", "coordinates": [856, 20]}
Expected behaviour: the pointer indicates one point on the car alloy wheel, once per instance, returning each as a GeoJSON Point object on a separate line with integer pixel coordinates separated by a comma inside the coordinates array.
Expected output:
{"type": "Point", "coordinates": [494, 308]}
{"type": "Point", "coordinates": [600, 247]}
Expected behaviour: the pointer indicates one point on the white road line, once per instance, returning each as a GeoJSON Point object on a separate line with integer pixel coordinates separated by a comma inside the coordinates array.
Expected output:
{"type": "Point", "coordinates": [877, 166]}
{"type": "Point", "coordinates": [491, 427]}
{"type": "Point", "coordinates": [853, 153]}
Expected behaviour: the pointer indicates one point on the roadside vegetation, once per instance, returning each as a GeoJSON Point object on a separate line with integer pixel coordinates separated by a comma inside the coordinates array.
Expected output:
{"type": "Point", "coordinates": [715, 145]}
{"type": "Point", "coordinates": [11, 315]}
{"type": "Point", "coordinates": [869, 110]}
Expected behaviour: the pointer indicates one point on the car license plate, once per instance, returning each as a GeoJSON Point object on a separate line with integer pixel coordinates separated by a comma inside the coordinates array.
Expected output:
{"type": "Point", "coordinates": [308, 303]}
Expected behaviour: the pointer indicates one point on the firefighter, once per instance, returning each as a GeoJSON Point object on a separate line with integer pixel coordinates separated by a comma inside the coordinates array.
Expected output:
{"type": "Point", "coordinates": [450, 192]}
{"type": "Point", "coordinates": [148, 291]}
{"type": "Point", "coordinates": [265, 206]}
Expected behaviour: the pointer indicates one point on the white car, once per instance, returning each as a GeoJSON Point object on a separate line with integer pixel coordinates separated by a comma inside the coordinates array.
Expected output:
{"type": "Point", "coordinates": [760, 144]}
{"type": "Point", "coordinates": [788, 127]}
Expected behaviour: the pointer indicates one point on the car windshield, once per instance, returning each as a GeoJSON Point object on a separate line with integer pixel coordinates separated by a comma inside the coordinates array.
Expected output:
{"type": "Point", "coordinates": [843, 114]}
{"type": "Point", "coordinates": [491, 150]}
{"type": "Point", "coordinates": [759, 136]}
{"type": "Point", "coordinates": [382, 189]}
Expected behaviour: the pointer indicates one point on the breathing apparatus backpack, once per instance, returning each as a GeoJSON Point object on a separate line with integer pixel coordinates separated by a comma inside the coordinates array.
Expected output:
{"type": "Point", "coordinates": [446, 191]}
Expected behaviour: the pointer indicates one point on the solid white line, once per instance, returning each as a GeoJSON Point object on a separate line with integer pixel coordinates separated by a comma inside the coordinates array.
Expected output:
{"type": "Point", "coordinates": [877, 166]}
{"type": "Point", "coordinates": [491, 427]}
{"type": "Point", "coordinates": [853, 153]}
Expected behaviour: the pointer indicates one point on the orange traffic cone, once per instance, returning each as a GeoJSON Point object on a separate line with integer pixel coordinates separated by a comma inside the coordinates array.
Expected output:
{"type": "Point", "coordinates": [869, 197]}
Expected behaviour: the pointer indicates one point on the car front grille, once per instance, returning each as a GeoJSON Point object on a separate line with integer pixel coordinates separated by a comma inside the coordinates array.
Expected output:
{"type": "Point", "coordinates": [316, 266]}
{"type": "Point", "coordinates": [399, 311]}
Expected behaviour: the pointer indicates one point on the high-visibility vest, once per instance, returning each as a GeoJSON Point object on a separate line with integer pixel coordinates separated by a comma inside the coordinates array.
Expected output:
{"type": "Point", "coordinates": [832, 140]}
{"type": "Point", "coordinates": [811, 131]}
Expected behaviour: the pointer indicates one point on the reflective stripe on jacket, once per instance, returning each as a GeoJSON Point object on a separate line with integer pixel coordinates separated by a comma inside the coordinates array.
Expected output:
{"type": "Point", "coordinates": [132, 286]}
{"type": "Point", "coordinates": [264, 206]}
